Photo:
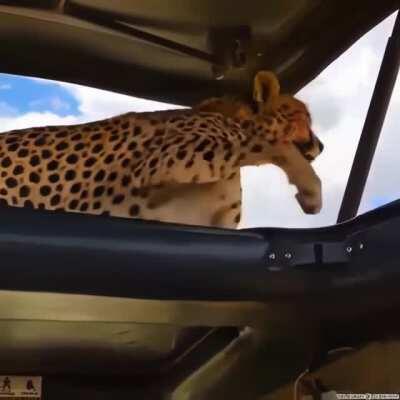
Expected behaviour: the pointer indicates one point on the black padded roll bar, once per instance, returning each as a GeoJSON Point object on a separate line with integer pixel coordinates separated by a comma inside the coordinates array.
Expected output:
{"type": "Point", "coordinates": [372, 126]}
{"type": "Point", "coordinates": [72, 253]}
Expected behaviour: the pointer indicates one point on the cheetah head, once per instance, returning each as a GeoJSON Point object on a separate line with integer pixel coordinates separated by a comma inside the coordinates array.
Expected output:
{"type": "Point", "coordinates": [270, 102]}
{"type": "Point", "coordinates": [285, 123]}
{"type": "Point", "coordinates": [292, 123]}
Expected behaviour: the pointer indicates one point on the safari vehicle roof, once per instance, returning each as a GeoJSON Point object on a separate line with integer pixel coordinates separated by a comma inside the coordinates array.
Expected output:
{"type": "Point", "coordinates": [107, 308]}
{"type": "Point", "coordinates": [175, 51]}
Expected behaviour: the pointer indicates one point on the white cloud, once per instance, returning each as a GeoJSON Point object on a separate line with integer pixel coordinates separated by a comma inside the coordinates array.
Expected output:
{"type": "Point", "coordinates": [6, 110]}
{"type": "Point", "coordinates": [93, 104]}
{"type": "Point", "coordinates": [5, 86]}
{"type": "Point", "coordinates": [96, 104]}
{"type": "Point", "coordinates": [59, 105]}
{"type": "Point", "coordinates": [54, 103]}
{"type": "Point", "coordinates": [34, 119]}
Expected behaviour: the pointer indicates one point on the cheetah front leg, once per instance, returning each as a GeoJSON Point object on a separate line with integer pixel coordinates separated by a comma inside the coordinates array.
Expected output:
{"type": "Point", "coordinates": [301, 174]}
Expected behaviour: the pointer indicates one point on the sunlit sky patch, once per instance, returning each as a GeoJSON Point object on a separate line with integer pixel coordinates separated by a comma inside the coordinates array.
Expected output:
{"type": "Point", "coordinates": [20, 95]}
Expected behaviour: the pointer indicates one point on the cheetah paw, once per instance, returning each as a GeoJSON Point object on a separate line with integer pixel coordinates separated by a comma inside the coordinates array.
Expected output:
{"type": "Point", "coordinates": [310, 202]}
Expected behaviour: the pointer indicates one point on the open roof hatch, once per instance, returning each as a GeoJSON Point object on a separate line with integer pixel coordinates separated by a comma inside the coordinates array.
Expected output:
{"type": "Point", "coordinates": [175, 51]}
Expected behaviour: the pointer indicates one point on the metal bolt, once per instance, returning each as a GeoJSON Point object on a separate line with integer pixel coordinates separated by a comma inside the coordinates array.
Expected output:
{"type": "Point", "coordinates": [272, 256]}
{"type": "Point", "coordinates": [349, 249]}
{"type": "Point", "coordinates": [361, 246]}
{"type": "Point", "coordinates": [218, 72]}
{"type": "Point", "coordinates": [288, 255]}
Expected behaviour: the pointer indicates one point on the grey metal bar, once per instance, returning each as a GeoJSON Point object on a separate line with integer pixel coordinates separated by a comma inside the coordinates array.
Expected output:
{"type": "Point", "coordinates": [372, 126]}
{"type": "Point", "coordinates": [121, 23]}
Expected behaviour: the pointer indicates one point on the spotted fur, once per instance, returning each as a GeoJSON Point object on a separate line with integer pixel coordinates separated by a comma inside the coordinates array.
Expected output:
{"type": "Point", "coordinates": [175, 166]}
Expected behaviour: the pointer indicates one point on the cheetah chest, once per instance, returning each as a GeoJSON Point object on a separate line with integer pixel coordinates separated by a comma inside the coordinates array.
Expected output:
{"type": "Point", "coordinates": [213, 204]}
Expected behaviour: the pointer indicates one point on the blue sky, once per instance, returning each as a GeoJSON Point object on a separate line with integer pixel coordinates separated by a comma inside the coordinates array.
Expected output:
{"type": "Point", "coordinates": [338, 100]}
{"type": "Point", "coordinates": [20, 95]}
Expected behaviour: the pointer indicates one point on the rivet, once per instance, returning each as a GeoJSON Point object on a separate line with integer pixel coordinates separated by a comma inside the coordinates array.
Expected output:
{"type": "Point", "coordinates": [361, 246]}
{"type": "Point", "coordinates": [272, 256]}
{"type": "Point", "coordinates": [218, 72]}
{"type": "Point", "coordinates": [349, 249]}
{"type": "Point", "coordinates": [288, 255]}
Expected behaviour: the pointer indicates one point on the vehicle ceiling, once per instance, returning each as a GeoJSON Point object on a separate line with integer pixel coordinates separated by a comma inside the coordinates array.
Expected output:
{"type": "Point", "coordinates": [120, 45]}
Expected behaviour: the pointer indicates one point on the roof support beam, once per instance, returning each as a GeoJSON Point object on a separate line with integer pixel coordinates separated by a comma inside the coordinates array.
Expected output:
{"type": "Point", "coordinates": [122, 25]}
{"type": "Point", "coordinates": [372, 126]}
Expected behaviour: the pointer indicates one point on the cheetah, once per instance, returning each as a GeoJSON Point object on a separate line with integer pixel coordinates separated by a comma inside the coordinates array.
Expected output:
{"type": "Point", "coordinates": [176, 166]}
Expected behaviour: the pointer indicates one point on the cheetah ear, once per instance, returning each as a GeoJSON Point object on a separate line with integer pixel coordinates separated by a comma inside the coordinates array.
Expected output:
{"type": "Point", "coordinates": [266, 88]}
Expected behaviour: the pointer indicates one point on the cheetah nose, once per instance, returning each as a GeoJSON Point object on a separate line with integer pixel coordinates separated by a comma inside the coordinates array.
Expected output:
{"type": "Point", "coordinates": [321, 146]}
